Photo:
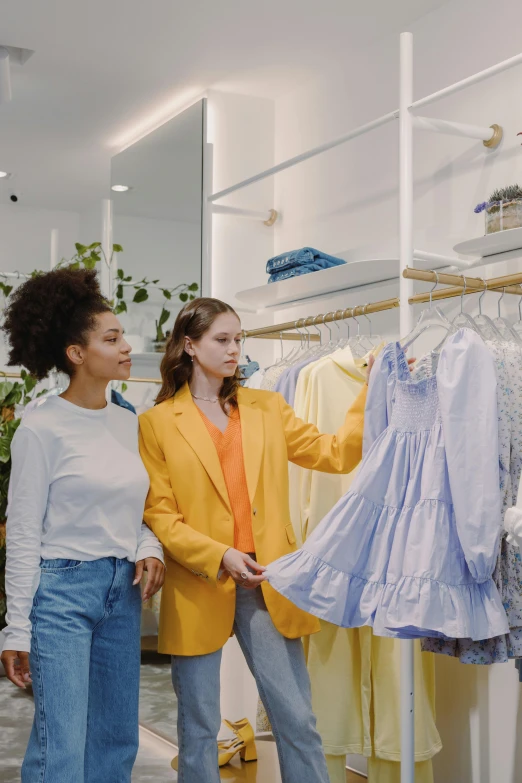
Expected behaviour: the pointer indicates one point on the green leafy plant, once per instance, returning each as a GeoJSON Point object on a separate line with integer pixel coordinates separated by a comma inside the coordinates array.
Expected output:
{"type": "Point", "coordinates": [184, 292]}
{"type": "Point", "coordinates": [88, 256]}
{"type": "Point", "coordinates": [11, 395]}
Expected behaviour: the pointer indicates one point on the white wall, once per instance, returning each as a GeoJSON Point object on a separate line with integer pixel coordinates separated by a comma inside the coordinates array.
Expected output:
{"type": "Point", "coordinates": [241, 130]}
{"type": "Point", "coordinates": [347, 200]}
{"type": "Point", "coordinates": [25, 243]}
{"type": "Point", "coordinates": [26, 236]}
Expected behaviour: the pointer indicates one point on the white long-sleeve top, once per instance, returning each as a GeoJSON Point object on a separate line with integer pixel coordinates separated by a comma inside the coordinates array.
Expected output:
{"type": "Point", "coordinates": [77, 491]}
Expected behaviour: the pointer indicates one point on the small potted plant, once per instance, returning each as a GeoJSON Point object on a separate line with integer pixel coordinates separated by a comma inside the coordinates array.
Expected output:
{"type": "Point", "coordinates": [503, 210]}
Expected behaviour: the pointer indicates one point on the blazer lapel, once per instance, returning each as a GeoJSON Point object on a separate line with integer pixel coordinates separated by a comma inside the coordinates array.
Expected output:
{"type": "Point", "coordinates": [253, 440]}
{"type": "Point", "coordinates": [193, 429]}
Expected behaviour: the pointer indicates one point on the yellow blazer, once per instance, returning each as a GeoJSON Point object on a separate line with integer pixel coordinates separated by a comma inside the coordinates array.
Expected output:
{"type": "Point", "coordinates": [188, 508]}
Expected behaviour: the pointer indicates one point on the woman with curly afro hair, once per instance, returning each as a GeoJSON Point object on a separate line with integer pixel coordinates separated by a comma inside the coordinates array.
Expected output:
{"type": "Point", "coordinates": [76, 543]}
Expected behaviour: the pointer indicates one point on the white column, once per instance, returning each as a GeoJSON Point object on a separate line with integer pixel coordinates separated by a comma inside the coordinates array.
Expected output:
{"type": "Point", "coordinates": [406, 179]}
{"type": "Point", "coordinates": [107, 271]}
{"type": "Point", "coordinates": [406, 323]}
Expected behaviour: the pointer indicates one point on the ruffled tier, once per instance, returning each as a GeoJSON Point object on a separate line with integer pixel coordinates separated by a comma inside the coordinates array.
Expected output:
{"type": "Point", "coordinates": [500, 649]}
{"type": "Point", "coordinates": [413, 607]}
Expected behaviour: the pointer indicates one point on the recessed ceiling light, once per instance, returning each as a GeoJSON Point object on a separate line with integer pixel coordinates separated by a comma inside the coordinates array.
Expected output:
{"type": "Point", "coordinates": [4, 174]}
{"type": "Point", "coordinates": [120, 188]}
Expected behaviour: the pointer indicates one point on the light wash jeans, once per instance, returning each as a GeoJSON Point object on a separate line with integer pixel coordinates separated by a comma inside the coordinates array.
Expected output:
{"type": "Point", "coordinates": [85, 663]}
{"type": "Point", "coordinates": [279, 667]}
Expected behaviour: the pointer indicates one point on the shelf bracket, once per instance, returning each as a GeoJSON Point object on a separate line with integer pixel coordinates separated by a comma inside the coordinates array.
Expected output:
{"type": "Point", "coordinates": [490, 137]}
{"type": "Point", "coordinates": [269, 217]}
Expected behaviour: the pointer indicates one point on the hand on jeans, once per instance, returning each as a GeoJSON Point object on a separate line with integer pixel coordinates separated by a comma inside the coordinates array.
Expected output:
{"type": "Point", "coordinates": [16, 665]}
{"type": "Point", "coordinates": [156, 576]}
{"type": "Point", "coordinates": [237, 565]}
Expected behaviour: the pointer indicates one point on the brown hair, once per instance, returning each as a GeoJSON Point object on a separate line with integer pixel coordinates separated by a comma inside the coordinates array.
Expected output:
{"type": "Point", "coordinates": [193, 321]}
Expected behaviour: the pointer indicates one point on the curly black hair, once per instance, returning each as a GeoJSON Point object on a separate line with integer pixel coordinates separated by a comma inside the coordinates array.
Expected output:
{"type": "Point", "coordinates": [49, 313]}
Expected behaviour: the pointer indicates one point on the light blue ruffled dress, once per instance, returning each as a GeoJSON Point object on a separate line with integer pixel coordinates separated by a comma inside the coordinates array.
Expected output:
{"type": "Point", "coordinates": [411, 548]}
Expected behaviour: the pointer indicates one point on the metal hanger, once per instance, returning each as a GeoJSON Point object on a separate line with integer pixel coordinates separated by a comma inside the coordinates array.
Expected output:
{"type": "Point", "coordinates": [504, 327]}
{"type": "Point", "coordinates": [430, 318]}
{"type": "Point", "coordinates": [488, 329]}
{"type": "Point", "coordinates": [357, 345]}
{"type": "Point", "coordinates": [463, 320]}
{"type": "Point", "coordinates": [376, 339]}
{"type": "Point", "coordinates": [517, 327]}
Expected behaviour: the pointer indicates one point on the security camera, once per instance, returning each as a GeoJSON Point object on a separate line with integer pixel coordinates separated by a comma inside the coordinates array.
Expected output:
{"type": "Point", "coordinates": [14, 197]}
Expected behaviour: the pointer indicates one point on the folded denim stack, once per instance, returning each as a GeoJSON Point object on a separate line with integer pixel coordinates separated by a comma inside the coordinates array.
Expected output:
{"type": "Point", "coordinates": [299, 262]}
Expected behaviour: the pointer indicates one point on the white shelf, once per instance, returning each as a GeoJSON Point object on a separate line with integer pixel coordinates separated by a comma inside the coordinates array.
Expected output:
{"type": "Point", "coordinates": [353, 274]}
{"type": "Point", "coordinates": [492, 244]}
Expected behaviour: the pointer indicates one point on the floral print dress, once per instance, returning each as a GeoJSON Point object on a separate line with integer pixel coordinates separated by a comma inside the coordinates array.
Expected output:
{"type": "Point", "coordinates": [508, 572]}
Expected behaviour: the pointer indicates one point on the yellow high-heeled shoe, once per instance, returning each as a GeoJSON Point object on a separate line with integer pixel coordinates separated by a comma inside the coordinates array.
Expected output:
{"type": "Point", "coordinates": [243, 743]}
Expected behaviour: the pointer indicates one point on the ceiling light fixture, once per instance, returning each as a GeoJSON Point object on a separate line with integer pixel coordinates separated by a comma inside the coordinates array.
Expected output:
{"type": "Point", "coordinates": [120, 188]}
{"type": "Point", "coordinates": [5, 76]}
{"type": "Point", "coordinates": [4, 174]}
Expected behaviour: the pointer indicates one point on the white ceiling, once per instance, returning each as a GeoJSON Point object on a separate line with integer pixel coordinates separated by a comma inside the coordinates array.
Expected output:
{"type": "Point", "coordinates": [104, 69]}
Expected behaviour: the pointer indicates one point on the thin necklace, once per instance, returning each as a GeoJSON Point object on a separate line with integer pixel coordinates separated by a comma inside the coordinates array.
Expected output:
{"type": "Point", "coordinates": [206, 399]}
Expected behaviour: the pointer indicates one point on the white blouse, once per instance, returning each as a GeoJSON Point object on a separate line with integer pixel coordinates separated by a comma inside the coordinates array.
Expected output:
{"type": "Point", "coordinates": [77, 491]}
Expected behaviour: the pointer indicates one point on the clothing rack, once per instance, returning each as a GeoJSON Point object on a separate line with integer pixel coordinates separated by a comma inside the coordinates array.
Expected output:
{"type": "Point", "coordinates": [460, 285]}
{"type": "Point", "coordinates": [273, 332]}
{"type": "Point", "coordinates": [509, 284]}
{"type": "Point", "coordinates": [409, 121]}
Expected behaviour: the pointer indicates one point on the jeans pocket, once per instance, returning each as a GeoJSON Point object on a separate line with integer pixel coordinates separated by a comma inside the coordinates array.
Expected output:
{"type": "Point", "coordinates": [60, 564]}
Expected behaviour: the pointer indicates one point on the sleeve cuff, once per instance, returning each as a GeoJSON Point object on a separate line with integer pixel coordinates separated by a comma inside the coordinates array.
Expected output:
{"type": "Point", "coordinates": [150, 550]}
{"type": "Point", "coordinates": [16, 641]}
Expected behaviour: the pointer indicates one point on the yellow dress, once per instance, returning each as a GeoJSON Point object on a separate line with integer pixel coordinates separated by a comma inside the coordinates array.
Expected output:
{"type": "Point", "coordinates": [355, 675]}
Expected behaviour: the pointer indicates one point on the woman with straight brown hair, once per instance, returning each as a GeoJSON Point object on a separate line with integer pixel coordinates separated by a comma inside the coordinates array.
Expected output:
{"type": "Point", "coordinates": [217, 457]}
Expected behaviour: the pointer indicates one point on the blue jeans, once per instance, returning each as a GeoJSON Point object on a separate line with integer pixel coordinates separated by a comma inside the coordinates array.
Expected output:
{"type": "Point", "coordinates": [85, 664]}
{"type": "Point", "coordinates": [278, 665]}
{"type": "Point", "coordinates": [302, 257]}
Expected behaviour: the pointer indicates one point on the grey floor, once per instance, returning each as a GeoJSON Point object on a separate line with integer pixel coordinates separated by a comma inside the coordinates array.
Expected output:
{"type": "Point", "coordinates": [157, 702]}
{"type": "Point", "coordinates": [158, 706]}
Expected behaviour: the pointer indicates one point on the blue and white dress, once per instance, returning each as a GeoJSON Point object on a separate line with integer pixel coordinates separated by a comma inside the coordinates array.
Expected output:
{"type": "Point", "coordinates": [411, 548]}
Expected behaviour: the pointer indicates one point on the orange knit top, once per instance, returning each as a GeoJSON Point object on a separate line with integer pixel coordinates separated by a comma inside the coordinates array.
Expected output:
{"type": "Point", "coordinates": [229, 447]}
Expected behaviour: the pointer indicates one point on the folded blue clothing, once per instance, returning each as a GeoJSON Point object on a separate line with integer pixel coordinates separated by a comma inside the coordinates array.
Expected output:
{"type": "Point", "coordinates": [295, 272]}
{"type": "Point", "coordinates": [302, 257]}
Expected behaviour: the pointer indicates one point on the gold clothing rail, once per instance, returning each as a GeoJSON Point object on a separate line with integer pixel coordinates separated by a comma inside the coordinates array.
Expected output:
{"type": "Point", "coordinates": [273, 332]}
{"type": "Point", "coordinates": [511, 284]}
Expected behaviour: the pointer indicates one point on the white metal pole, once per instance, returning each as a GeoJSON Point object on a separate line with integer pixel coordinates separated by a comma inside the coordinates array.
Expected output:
{"type": "Point", "coordinates": [481, 133]}
{"type": "Point", "coordinates": [252, 214]}
{"type": "Point", "coordinates": [406, 319]}
{"type": "Point", "coordinates": [437, 260]}
{"type": "Point", "coordinates": [477, 77]}
{"type": "Point", "coordinates": [329, 145]}
{"type": "Point", "coordinates": [55, 235]}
